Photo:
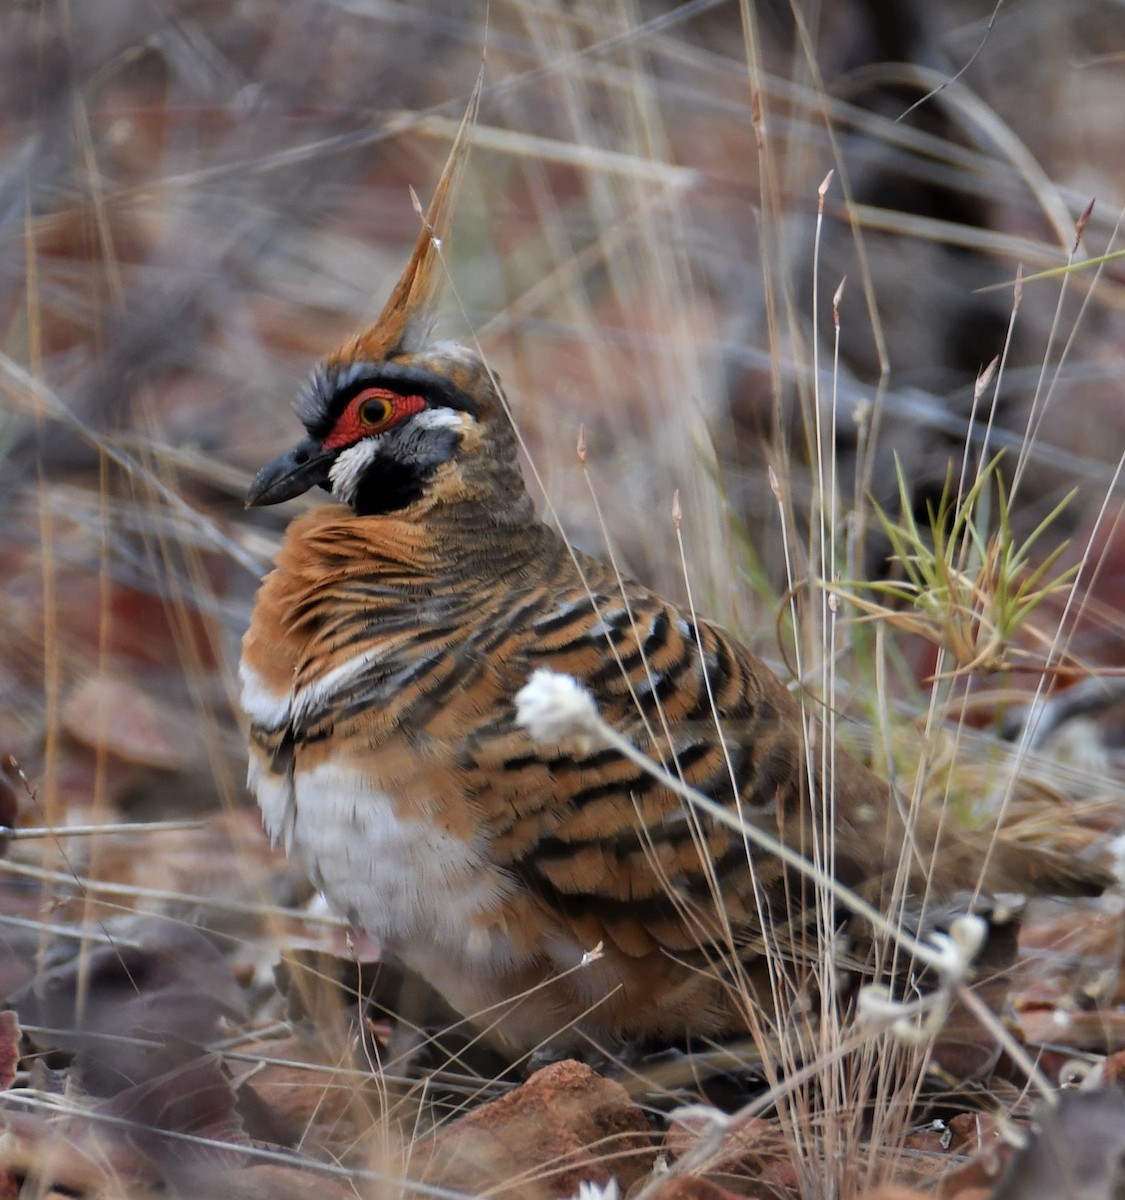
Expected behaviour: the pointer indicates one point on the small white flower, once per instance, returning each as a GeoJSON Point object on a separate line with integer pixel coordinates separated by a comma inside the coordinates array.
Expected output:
{"type": "Point", "coordinates": [594, 1191]}
{"type": "Point", "coordinates": [553, 707]}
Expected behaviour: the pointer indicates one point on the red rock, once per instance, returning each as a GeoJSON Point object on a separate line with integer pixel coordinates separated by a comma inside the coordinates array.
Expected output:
{"type": "Point", "coordinates": [1115, 1069]}
{"type": "Point", "coordinates": [682, 1135]}
{"type": "Point", "coordinates": [691, 1187]}
{"type": "Point", "coordinates": [270, 1182]}
{"type": "Point", "coordinates": [318, 1108]}
{"type": "Point", "coordinates": [9, 1048]}
{"type": "Point", "coordinates": [753, 1153]}
{"type": "Point", "coordinates": [564, 1126]}
{"type": "Point", "coordinates": [894, 1191]}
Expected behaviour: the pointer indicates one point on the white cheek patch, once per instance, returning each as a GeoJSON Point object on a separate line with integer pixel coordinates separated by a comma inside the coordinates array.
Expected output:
{"type": "Point", "coordinates": [439, 418]}
{"type": "Point", "coordinates": [350, 466]}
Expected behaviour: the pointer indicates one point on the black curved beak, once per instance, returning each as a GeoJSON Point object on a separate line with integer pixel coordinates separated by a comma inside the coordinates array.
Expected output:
{"type": "Point", "coordinates": [291, 474]}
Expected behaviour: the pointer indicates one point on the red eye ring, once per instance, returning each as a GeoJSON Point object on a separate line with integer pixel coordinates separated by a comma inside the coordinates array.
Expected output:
{"type": "Point", "coordinates": [372, 411]}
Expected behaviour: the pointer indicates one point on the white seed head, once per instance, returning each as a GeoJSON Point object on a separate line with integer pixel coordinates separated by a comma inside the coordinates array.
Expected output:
{"type": "Point", "coordinates": [553, 707]}
{"type": "Point", "coordinates": [592, 956]}
{"type": "Point", "coordinates": [959, 947]}
{"type": "Point", "coordinates": [875, 1005]}
{"type": "Point", "coordinates": [969, 934]}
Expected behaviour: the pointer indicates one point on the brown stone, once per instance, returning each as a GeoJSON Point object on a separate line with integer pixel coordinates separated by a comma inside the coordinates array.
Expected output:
{"type": "Point", "coordinates": [894, 1191]}
{"type": "Point", "coordinates": [564, 1126]}
{"type": "Point", "coordinates": [752, 1160]}
{"type": "Point", "coordinates": [268, 1181]}
{"type": "Point", "coordinates": [691, 1187]}
{"type": "Point", "coordinates": [312, 1102]}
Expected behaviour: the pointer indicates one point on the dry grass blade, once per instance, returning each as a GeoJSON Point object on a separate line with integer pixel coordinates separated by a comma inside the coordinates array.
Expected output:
{"type": "Point", "coordinates": [197, 201]}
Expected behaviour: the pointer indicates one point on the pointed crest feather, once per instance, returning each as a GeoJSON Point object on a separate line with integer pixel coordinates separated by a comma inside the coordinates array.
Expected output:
{"type": "Point", "coordinates": [408, 316]}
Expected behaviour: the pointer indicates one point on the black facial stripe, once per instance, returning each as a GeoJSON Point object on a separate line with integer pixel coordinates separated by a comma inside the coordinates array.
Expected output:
{"type": "Point", "coordinates": [392, 487]}
{"type": "Point", "coordinates": [330, 388]}
{"type": "Point", "coordinates": [397, 476]}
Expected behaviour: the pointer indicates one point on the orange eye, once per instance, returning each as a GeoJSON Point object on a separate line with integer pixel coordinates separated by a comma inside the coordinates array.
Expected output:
{"type": "Point", "coordinates": [376, 410]}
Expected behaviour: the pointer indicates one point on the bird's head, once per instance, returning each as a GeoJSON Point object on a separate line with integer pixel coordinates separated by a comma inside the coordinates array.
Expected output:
{"type": "Point", "coordinates": [393, 417]}
{"type": "Point", "coordinates": [383, 433]}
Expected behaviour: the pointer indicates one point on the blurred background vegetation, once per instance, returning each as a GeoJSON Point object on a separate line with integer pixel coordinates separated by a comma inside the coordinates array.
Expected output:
{"type": "Point", "coordinates": [199, 198]}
